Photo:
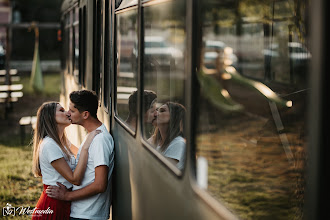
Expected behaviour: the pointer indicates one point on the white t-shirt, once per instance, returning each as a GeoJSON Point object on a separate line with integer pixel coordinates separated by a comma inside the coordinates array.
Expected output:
{"type": "Point", "coordinates": [49, 152]}
{"type": "Point", "coordinates": [176, 150]}
{"type": "Point", "coordinates": [101, 152]}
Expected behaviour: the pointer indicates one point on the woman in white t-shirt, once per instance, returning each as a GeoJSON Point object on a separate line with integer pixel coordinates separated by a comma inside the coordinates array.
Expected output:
{"type": "Point", "coordinates": [169, 133]}
{"type": "Point", "coordinates": [54, 160]}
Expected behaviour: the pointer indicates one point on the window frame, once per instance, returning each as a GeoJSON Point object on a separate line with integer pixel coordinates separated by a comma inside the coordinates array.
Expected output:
{"type": "Point", "coordinates": [107, 53]}
{"type": "Point", "coordinates": [115, 58]}
{"type": "Point", "coordinates": [160, 157]}
{"type": "Point", "coordinates": [98, 48]}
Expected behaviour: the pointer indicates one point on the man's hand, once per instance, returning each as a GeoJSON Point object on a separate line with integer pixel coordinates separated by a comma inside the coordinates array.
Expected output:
{"type": "Point", "coordinates": [58, 192]}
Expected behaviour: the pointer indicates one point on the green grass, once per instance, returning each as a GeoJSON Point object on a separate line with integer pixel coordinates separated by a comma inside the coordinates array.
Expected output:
{"type": "Point", "coordinates": [52, 85]}
{"type": "Point", "coordinates": [18, 185]}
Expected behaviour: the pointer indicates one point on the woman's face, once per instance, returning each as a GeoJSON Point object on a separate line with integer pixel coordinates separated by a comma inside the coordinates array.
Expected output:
{"type": "Point", "coordinates": [61, 116]}
{"type": "Point", "coordinates": [163, 115]}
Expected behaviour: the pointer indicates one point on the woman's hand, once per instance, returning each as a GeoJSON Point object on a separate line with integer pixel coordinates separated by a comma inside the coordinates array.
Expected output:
{"type": "Point", "coordinates": [90, 138]}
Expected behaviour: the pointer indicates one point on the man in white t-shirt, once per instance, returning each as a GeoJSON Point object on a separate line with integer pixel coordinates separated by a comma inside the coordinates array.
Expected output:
{"type": "Point", "coordinates": [90, 200]}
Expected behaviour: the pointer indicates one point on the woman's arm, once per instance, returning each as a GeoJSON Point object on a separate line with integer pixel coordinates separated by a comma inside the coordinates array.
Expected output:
{"type": "Point", "coordinates": [99, 185]}
{"type": "Point", "coordinates": [77, 175]}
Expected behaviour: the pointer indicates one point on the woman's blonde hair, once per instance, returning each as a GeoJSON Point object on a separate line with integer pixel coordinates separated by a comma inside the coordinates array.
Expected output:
{"type": "Point", "coordinates": [46, 126]}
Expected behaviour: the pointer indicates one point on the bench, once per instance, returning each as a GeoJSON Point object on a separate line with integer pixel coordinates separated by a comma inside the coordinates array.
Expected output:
{"type": "Point", "coordinates": [8, 98]}
{"type": "Point", "coordinates": [12, 72]}
{"type": "Point", "coordinates": [10, 88]}
{"type": "Point", "coordinates": [12, 76]}
{"type": "Point", "coordinates": [5, 95]}
{"type": "Point", "coordinates": [12, 79]}
{"type": "Point", "coordinates": [123, 94]}
{"type": "Point", "coordinates": [26, 121]}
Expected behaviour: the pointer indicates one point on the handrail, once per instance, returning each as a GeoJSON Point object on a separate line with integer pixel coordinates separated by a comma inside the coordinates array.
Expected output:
{"type": "Point", "coordinates": [216, 94]}
{"type": "Point", "coordinates": [221, 98]}
{"type": "Point", "coordinates": [258, 86]}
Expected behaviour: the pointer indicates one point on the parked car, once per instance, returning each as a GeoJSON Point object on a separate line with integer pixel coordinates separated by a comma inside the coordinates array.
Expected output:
{"type": "Point", "coordinates": [214, 50]}
{"type": "Point", "coordinates": [295, 51]}
{"type": "Point", "coordinates": [295, 56]}
{"type": "Point", "coordinates": [157, 49]}
{"type": "Point", "coordinates": [2, 57]}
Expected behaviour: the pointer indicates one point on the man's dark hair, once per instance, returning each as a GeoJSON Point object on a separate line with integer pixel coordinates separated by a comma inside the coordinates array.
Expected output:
{"type": "Point", "coordinates": [85, 100]}
{"type": "Point", "coordinates": [148, 97]}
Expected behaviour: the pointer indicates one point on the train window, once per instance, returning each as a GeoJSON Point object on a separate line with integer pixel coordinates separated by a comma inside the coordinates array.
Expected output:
{"type": "Point", "coordinates": [65, 44]}
{"type": "Point", "coordinates": [98, 35]}
{"type": "Point", "coordinates": [107, 57]}
{"type": "Point", "coordinates": [127, 55]}
{"type": "Point", "coordinates": [76, 44]}
{"type": "Point", "coordinates": [67, 41]}
{"type": "Point", "coordinates": [251, 129]}
{"type": "Point", "coordinates": [164, 79]}
{"type": "Point", "coordinates": [70, 54]}
{"type": "Point", "coordinates": [82, 51]}
{"type": "Point", "coordinates": [62, 34]}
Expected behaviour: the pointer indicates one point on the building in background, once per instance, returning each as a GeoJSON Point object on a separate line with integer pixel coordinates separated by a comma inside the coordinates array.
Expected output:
{"type": "Point", "coordinates": [5, 18]}
{"type": "Point", "coordinates": [19, 15]}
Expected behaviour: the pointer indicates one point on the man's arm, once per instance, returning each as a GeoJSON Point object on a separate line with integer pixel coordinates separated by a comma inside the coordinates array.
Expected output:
{"type": "Point", "coordinates": [98, 186]}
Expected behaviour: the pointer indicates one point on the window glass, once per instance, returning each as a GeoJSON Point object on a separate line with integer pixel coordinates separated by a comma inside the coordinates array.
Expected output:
{"type": "Point", "coordinates": [107, 56]}
{"type": "Point", "coordinates": [163, 103]}
{"type": "Point", "coordinates": [251, 134]}
{"type": "Point", "coordinates": [83, 44]}
{"type": "Point", "coordinates": [76, 44]}
{"type": "Point", "coordinates": [127, 53]}
{"type": "Point", "coordinates": [68, 42]}
{"type": "Point", "coordinates": [70, 54]}
{"type": "Point", "coordinates": [98, 34]}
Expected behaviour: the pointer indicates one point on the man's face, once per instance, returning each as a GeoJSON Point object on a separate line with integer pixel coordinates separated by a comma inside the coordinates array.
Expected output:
{"type": "Point", "coordinates": [74, 115]}
{"type": "Point", "coordinates": [150, 115]}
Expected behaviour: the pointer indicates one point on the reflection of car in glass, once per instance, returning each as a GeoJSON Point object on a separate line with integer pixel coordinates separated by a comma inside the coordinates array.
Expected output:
{"type": "Point", "coordinates": [295, 55]}
{"type": "Point", "coordinates": [2, 57]}
{"type": "Point", "coordinates": [158, 50]}
{"type": "Point", "coordinates": [296, 51]}
{"type": "Point", "coordinates": [218, 50]}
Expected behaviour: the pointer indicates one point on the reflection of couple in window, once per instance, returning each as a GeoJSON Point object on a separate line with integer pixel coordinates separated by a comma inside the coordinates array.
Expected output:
{"type": "Point", "coordinates": [149, 107]}
{"type": "Point", "coordinates": [167, 121]}
{"type": "Point", "coordinates": [168, 136]}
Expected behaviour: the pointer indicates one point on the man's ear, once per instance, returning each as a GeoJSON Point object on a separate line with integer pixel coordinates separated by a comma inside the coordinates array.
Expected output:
{"type": "Point", "coordinates": [85, 114]}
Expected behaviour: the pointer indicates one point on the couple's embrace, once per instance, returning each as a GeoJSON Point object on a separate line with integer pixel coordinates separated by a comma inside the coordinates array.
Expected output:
{"type": "Point", "coordinates": [76, 181]}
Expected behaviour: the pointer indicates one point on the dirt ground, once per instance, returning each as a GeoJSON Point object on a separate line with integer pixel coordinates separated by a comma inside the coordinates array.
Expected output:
{"type": "Point", "coordinates": [25, 106]}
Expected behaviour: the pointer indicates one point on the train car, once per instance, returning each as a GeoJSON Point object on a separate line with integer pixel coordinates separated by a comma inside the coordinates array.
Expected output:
{"type": "Point", "coordinates": [217, 108]}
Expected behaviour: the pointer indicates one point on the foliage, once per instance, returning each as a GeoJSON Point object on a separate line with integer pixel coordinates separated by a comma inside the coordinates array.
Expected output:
{"type": "Point", "coordinates": [52, 83]}
{"type": "Point", "coordinates": [39, 10]}
{"type": "Point", "coordinates": [23, 40]}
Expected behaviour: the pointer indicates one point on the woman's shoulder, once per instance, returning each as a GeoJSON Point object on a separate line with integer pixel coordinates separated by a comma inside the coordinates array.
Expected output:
{"type": "Point", "coordinates": [179, 139]}
{"type": "Point", "coordinates": [48, 142]}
